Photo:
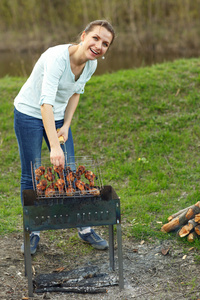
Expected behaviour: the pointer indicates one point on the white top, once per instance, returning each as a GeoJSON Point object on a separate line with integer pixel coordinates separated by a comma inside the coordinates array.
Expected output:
{"type": "Point", "coordinates": [52, 82]}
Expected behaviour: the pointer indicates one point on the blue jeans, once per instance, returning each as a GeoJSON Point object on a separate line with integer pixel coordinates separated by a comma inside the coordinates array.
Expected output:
{"type": "Point", "coordinates": [30, 132]}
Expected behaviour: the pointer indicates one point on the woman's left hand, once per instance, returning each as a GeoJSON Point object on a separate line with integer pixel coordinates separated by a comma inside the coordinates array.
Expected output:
{"type": "Point", "coordinates": [63, 132]}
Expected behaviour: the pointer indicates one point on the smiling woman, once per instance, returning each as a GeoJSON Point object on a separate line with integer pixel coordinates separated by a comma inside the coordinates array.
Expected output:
{"type": "Point", "coordinates": [48, 100]}
{"type": "Point", "coordinates": [95, 41]}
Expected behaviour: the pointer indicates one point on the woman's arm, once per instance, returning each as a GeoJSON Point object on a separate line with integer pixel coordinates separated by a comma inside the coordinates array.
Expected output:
{"type": "Point", "coordinates": [56, 153]}
{"type": "Point", "coordinates": [69, 112]}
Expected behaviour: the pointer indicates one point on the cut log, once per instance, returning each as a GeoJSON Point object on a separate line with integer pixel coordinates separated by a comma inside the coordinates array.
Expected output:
{"type": "Point", "coordinates": [191, 237]}
{"type": "Point", "coordinates": [185, 230]}
{"type": "Point", "coordinates": [178, 213]}
{"type": "Point", "coordinates": [182, 211]}
{"type": "Point", "coordinates": [172, 225]}
{"type": "Point", "coordinates": [197, 229]}
{"type": "Point", "coordinates": [182, 219]}
{"type": "Point", "coordinates": [192, 221]}
{"type": "Point", "coordinates": [197, 218]}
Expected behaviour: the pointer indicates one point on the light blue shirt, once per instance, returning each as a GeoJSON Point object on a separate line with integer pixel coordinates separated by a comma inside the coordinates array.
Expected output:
{"type": "Point", "coordinates": [52, 82]}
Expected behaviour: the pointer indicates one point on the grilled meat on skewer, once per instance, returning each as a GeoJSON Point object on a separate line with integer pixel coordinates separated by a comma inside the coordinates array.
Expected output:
{"type": "Point", "coordinates": [87, 186]}
{"type": "Point", "coordinates": [41, 186]}
{"type": "Point", "coordinates": [80, 185]}
{"type": "Point", "coordinates": [39, 172]}
{"type": "Point", "coordinates": [94, 192]}
{"type": "Point", "coordinates": [91, 177]}
{"type": "Point", "coordinates": [59, 171]}
{"type": "Point", "coordinates": [70, 177]}
{"type": "Point", "coordinates": [70, 191]}
{"type": "Point", "coordinates": [60, 184]}
{"type": "Point", "coordinates": [50, 191]}
{"type": "Point", "coordinates": [68, 169]}
{"type": "Point", "coordinates": [49, 175]}
{"type": "Point", "coordinates": [80, 171]}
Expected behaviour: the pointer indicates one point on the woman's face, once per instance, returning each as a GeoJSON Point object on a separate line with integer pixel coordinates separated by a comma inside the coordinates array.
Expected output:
{"type": "Point", "coordinates": [96, 42]}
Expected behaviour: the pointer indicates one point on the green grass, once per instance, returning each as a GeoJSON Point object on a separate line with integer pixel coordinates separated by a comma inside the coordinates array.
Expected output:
{"type": "Point", "coordinates": [143, 126]}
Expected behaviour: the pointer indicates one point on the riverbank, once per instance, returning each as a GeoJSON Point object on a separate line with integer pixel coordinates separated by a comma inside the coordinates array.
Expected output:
{"type": "Point", "coordinates": [20, 51]}
{"type": "Point", "coordinates": [169, 43]}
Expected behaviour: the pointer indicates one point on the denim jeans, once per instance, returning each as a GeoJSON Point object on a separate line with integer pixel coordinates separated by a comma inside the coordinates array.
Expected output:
{"type": "Point", "coordinates": [30, 132]}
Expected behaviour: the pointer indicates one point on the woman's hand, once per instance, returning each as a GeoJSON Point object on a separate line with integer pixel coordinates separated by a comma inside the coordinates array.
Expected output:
{"type": "Point", "coordinates": [63, 131]}
{"type": "Point", "coordinates": [57, 157]}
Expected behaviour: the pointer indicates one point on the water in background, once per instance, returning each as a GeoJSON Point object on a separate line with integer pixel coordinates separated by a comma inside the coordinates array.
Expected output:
{"type": "Point", "coordinates": [21, 64]}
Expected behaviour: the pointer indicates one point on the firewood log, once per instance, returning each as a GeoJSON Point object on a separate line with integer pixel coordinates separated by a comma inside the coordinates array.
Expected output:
{"type": "Point", "coordinates": [197, 218]}
{"type": "Point", "coordinates": [197, 229]}
{"type": "Point", "coordinates": [182, 211]}
{"type": "Point", "coordinates": [172, 225]}
{"type": "Point", "coordinates": [191, 237]}
{"type": "Point", "coordinates": [182, 219]}
{"type": "Point", "coordinates": [192, 221]}
{"type": "Point", "coordinates": [178, 213]}
{"type": "Point", "coordinates": [185, 230]}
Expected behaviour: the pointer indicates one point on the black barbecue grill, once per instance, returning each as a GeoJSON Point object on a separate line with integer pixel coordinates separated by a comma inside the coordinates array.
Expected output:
{"type": "Point", "coordinates": [78, 210]}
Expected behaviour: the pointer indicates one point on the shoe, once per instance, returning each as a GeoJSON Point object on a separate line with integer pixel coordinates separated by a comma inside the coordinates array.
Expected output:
{"type": "Point", "coordinates": [34, 240]}
{"type": "Point", "coordinates": [94, 240]}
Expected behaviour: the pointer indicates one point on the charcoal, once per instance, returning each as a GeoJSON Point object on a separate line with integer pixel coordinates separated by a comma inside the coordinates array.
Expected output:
{"type": "Point", "coordinates": [81, 280]}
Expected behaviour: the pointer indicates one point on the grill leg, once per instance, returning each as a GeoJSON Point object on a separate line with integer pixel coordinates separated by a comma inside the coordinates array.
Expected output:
{"type": "Point", "coordinates": [120, 258]}
{"type": "Point", "coordinates": [111, 247]}
{"type": "Point", "coordinates": [27, 261]}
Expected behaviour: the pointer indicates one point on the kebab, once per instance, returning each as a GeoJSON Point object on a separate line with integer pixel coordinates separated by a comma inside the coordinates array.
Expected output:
{"type": "Point", "coordinates": [60, 184]}
{"type": "Point", "coordinates": [39, 172]}
{"type": "Point", "coordinates": [50, 191]}
{"type": "Point", "coordinates": [41, 186]}
{"type": "Point", "coordinates": [49, 175]}
{"type": "Point", "coordinates": [59, 170]}
{"type": "Point", "coordinates": [91, 177]}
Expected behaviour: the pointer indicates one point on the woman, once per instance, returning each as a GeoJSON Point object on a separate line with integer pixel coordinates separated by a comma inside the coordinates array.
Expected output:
{"type": "Point", "coordinates": [48, 100]}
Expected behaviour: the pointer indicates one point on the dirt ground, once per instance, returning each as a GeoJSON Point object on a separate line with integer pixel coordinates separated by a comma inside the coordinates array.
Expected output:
{"type": "Point", "coordinates": [156, 270]}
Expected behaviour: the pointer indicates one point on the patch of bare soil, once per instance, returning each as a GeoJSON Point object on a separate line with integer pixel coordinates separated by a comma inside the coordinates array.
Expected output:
{"type": "Point", "coordinates": [158, 270]}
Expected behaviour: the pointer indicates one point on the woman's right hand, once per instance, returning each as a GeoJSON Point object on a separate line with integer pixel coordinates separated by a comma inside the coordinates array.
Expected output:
{"type": "Point", "coordinates": [57, 157]}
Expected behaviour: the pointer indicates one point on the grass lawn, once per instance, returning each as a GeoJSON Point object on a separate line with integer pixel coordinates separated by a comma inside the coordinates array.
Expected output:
{"type": "Point", "coordinates": [142, 125]}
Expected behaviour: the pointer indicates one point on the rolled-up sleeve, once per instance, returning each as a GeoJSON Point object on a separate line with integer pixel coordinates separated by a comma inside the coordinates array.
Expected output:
{"type": "Point", "coordinates": [79, 87]}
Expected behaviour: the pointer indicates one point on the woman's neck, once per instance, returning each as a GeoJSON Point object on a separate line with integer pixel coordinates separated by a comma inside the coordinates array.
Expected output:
{"type": "Point", "coordinates": [76, 55]}
{"type": "Point", "coordinates": [77, 62]}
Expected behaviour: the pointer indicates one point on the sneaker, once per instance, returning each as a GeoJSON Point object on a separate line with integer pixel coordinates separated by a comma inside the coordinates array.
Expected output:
{"type": "Point", "coordinates": [94, 240]}
{"type": "Point", "coordinates": [34, 240]}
